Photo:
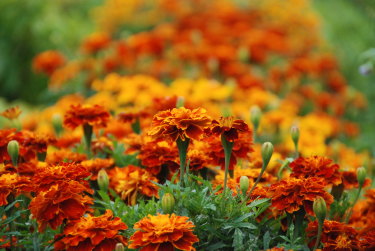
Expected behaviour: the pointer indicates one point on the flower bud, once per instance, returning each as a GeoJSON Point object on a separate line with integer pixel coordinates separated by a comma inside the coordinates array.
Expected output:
{"type": "Point", "coordinates": [103, 180]}
{"type": "Point", "coordinates": [267, 151]}
{"type": "Point", "coordinates": [167, 203]}
{"type": "Point", "coordinates": [119, 247]}
{"type": "Point", "coordinates": [255, 115]}
{"type": "Point", "coordinates": [294, 132]}
{"type": "Point", "coordinates": [244, 184]}
{"type": "Point", "coordinates": [180, 102]}
{"type": "Point", "coordinates": [57, 123]}
{"type": "Point", "coordinates": [13, 151]}
{"type": "Point", "coordinates": [361, 176]}
{"type": "Point", "coordinates": [320, 208]}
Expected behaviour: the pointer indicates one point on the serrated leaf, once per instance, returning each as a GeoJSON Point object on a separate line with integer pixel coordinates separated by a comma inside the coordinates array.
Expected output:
{"type": "Point", "coordinates": [238, 239]}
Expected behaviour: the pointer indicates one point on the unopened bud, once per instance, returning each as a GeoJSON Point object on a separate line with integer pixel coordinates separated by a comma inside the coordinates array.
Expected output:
{"type": "Point", "coordinates": [256, 115]}
{"type": "Point", "coordinates": [13, 151]}
{"type": "Point", "coordinates": [320, 209]}
{"type": "Point", "coordinates": [119, 247]}
{"type": "Point", "coordinates": [167, 203]}
{"type": "Point", "coordinates": [103, 180]}
{"type": "Point", "coordinates": [361, 176]}
{"type": "Point", "coordinates": [267, 151]}
{"type": "Point", "coordinates": [180, 102]}
{"type": "Point", "coordinates": [294, 132]}
{"type": "Point", "coordinates": [244, 184]}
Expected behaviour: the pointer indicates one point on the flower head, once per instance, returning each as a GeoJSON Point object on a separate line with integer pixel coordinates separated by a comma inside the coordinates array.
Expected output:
{"type": "Point", "coordinates": [131, 181]}
{"type": "Point", "coordinates": [163, 233]}
{"type": "Point", "coordinates": [11, 113]}
{"type": "Point", "coordinates": [316, 166]}
{"type": "Point", "coordinates": [48, 61]}
{"type": "Point", "coordinates": [92, 233]}
{"type": "Point", "coordinates": [291, 194]}
{"type": "Point", "coordinates": [229, 127]}
{"type": "Point", "coordinates": [94, 115]}
{"type": "Point", "coordinates": [180, 123]}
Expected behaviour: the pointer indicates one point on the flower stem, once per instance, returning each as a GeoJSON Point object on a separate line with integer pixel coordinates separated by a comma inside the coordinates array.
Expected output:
{"type": "Point", "coordinates": [87, 131]}
{"type": "Point", "coordinates": [227, 146]}
{"type": "Point", "coordinates": [320, 227]}
{"type": "Point", "coordinates": [182, 146]}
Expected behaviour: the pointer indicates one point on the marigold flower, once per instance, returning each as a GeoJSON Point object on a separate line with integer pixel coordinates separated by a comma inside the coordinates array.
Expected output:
{"type": "Point", "coordinates": [96, 42]}
{"type": "Point", "coordinates": [335, 235]}
{"type": "Point", "coordinates": [180, 123]}
{"type": "Point", "coordinates": [61, 201]}
{"type": "Point", "coordinates": [368, 241]}
{"type": "Point", "coordinates": [350, 180]}
{"type": "Point", "coordinates": [94, 115]}
{"type": "Point", "coordinates": [48, 61]}
{"type": "Point", "coordinates": [291, 194]}
{"type": "Point", "coordinates": [92, 233]}
{"type": "Point", "coordinates": [316, 166]}
{"type": "Point", "coordinates": [363, 216]}
{"type": "Point", "coordinates": [95, 165]}
{"type": "Point", "coordinates": [11, 113]}
{"type": "Point", "coordinates": [163, 233]}
{"type": "Point", "coordinates": [65, 155]}
{"type": "Point", "coordinates": [229, 127]}
{"type": "Point", "coordinates": [131, 180]}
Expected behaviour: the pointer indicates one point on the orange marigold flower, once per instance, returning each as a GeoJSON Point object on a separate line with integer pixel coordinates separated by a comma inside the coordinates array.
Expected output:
{"type": "Point", "coordinates": [11, 113]}
{"type": "Point", "coordinates": [363, 217]}
{"type": "Point", "coordinates": [368, 241]}
{"type": "Point", "coordinates": [316, 166]}
{"type": "Point", "coordinates": [95, 165]}
{"type": "Point", "coordinates": [49, 175]}
{"type": "Point", "coordinates": [229, 127]}
{"type": "Point", "coordinates": [335, 236]}
{"type": "Point", "coordinates": [94, 115]}
{"type": "Point", "coordinates": [37, 142]}
{"type": "Point", "coordinates": [92, 233]}
{"type": "Point", "coordinates": [47, 62]}
{"type": "Point", "coordinates": [291, 194]}
{"type": "Point", "coordinates": [7, 186]}
{"type": "Point", "coordinates": [65, 155]}
{"type": "Point", "coordinates": [96, 42]}
{"type": "Point", "coordinates": [131, 181]}
{"type": "Point", "coordinates": [180, 123]}
{"type": "Point", "coordinates": [62, 201]}
{"type": "Point", "coordinates": [350, 180]}
{"type": "Point", "coordinates": [163, 233]}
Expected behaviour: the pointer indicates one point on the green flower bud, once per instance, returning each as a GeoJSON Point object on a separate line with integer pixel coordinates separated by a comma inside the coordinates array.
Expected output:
{"type": "Point", "coordinates": [244, 184]}
{"type": "Point", "coordinates": [119, 247]}
{"type": "Point", "coordinates": [361, 176]}
{"type": "Point", "coordinates": [103, 180]}
{"type": "Point", "coordinates": [180, 102]}
{"type": "Point", "coordinates": [320, 209]}
{"type": "Point", "coordinates": [267, 151]}
{"type": "Point", "coordinates": [255, 116]}
{"type": "Point", "coordinates": [13, 151]}
{"type": "Point", "coordinates": [294, 131]}
{"type": "Point", "coordinates": [167, 203]}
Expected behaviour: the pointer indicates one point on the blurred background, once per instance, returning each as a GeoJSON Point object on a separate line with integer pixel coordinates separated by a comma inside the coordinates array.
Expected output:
{"type": "Point", "coordinates": [30, 27]}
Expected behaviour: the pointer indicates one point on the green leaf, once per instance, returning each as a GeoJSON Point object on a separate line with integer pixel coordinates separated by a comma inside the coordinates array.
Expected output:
{"type": "Point", "coordinates": [266, 240]}
{"type": "Point", "coordinates": [238, 239]}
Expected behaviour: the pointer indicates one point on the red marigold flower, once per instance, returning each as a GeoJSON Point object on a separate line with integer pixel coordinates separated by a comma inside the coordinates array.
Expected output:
{"type": "Point", "coordinates": [363, 216]}
{"type": "Point", "coordinates": [95, 165]}
{"type": "Point", "coordinates": [163, 232]}
{"type": "Point", "coordinates": [94, 115]}
{"type": "Point", "coordinates": [316, 166]}
{"type": "Point", "coordinates": [62, 201]}
{"type": "Point", "coordinates": [65, 155]}
{"type": "Point", "coordinates": [11, 113]}
{"type": "Point", "coordinates": [131, 180]}
{"type": "Point", "coordinates": [368, 241]}
{"type": "Point", "coordinates": [291, 194]}
{"type": "Point", "coordinates": [92, 233]}
{"type": "Point", "coordinates": [229, 127]}
{"type": "Point", "coordinates": [180, 123]}
{"type": "Point", "coordinates": [335, 236]}
{"type": "Point", "coordinates": [37, 142]}
{"type": "Point", "coordinates": [7, 186]}
{"type": "Point", "coordinates": [47, 62]}
{"type": "Point", "coordinates": [350, 180]}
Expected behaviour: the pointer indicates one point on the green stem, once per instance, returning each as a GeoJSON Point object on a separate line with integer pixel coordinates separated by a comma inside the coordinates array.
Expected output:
{"type": "Point", "coordinates": [182, 146]}
{"type": "Point", "coordinates": [87, 131]}
{"type": "Point", "coordinates": [298, 226]}
{"type": "Point", "coordinates": [227, 146]}
{"type": "Point", "coordinates": [351, 207]}
{"type": "Point", "coordinates": [320, 227]}
{"type": "Point", "coordinates": [258, 179]}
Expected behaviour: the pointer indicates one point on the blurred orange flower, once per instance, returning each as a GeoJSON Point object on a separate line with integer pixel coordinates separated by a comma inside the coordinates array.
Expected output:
{"type": "Point", "coordinates": [335, 236]}
{"type": "Point", "coordinates": [11, 113]}
{"type": "Point", "coordinates": [94, 115]}
{"type": "Point", "coordinates": [163, 233]}
{"type": "Point", "coordinates": [47, 62]}
{"type": "Point", "coordinates": [316, 166]}
{"type": "Point", "coordinates": [291, 194]}
{"type": "Point", "coordinates": [180, 123]}
{"type": "Point", "coordinates": [132, 180]}
{"type": "Point", "coordinates": [96, 42]}
{"type": "Point", "coordinates": [92, 233]}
